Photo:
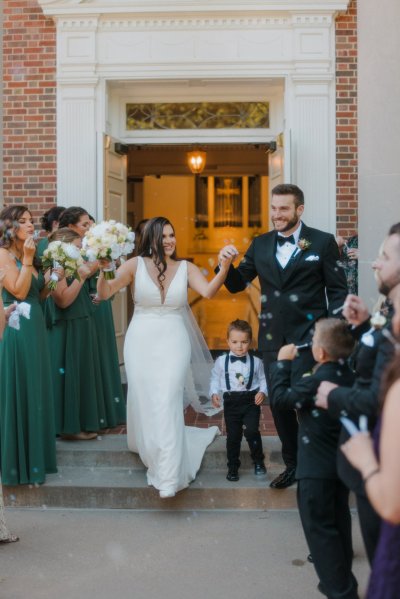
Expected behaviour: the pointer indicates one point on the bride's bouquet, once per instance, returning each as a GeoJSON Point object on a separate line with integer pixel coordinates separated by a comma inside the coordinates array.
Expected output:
{"type": "Point", "coordinates": [108, 240]}
{"type": "Point", "coordinates": [62, 255]}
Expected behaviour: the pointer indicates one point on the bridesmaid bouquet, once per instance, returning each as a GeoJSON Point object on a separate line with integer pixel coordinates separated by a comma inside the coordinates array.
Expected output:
{"type": "Point", "coordinates": [65, 255]}
{"type": "Point", "coordinates": [108, 240]}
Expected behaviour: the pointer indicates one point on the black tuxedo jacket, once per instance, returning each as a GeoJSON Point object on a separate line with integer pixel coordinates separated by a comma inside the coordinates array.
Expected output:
{"type": "Point", "coordinates": [292, 299]}
{"type": "Point", "coordinates": [361, 399]}
{"type": "Point", "coordinates": [318, 434]}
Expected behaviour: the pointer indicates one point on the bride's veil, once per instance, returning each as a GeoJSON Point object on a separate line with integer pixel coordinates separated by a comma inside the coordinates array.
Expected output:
{"type": "Point", "coordinates": [201, 362]}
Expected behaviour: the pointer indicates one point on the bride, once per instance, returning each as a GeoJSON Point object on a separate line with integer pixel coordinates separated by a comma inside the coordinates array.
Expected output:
{"type": "Point", "coordinates": [157, 356]}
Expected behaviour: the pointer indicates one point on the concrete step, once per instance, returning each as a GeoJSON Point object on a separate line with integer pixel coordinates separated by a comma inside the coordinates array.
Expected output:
{"type": "Point", "coordinates": [104, 475]}
{"type": "Point", "coordinates": [112, 450]}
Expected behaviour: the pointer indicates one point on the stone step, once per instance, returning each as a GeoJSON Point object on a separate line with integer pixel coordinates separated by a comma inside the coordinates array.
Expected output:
{"type": "Point", "coordinates": [103, 474]}
{"type": "Point", "coordinates": [112, 450]}
{"type": "Point", "coordinates": [123, 488]}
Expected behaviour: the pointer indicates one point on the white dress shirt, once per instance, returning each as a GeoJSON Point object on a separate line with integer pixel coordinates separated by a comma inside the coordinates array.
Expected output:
{"type": "Point", "coordinates": [284, 252]}
{"type": "Point", "coordinates": [239, 373]}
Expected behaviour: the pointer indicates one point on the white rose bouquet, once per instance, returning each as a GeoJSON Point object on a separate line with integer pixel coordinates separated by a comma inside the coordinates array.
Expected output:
{"type": "Point", "coordinates": [62, 255]}
{"type": "Point", "coordinates": [108, 240]}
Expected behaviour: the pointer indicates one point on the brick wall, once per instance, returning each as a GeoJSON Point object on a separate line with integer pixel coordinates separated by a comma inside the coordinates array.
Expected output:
{"type": "Point", "coordinates": [346, 122]}
{"type": "Point", "coordinates": [29, 106]}
{"type": "Point", "coordinates": [29, 100]}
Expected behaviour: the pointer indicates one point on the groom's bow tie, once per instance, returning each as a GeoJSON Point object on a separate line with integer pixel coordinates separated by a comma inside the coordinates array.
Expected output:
{"type": "Point", "coordinates": [235, 358]}
{"type": "Point", "coordinates": [282, 240]}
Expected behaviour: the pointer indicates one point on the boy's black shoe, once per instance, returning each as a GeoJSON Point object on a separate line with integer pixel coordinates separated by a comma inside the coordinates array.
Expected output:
{"type": "Point", "coordinates": [233, 474]}
{"type": "Point", "coordinates": [260, 468]}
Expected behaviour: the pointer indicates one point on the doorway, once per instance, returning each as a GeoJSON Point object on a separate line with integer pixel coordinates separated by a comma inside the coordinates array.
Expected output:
{"type": "Point", "coordinates": [226, 203]}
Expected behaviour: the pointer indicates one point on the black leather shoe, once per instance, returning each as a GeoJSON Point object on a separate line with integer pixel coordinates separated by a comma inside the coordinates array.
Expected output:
{"type": "Point", "coordinates": [232, 475]}
{"type": "Point", "coordinates": [284, 479]}
{"type": "Point", "coordinates": [260, 469]}
{"type": "Point", "coordinates": [310, 559]}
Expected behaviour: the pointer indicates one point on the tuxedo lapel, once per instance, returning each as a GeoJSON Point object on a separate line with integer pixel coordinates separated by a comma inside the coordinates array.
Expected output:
{"type": "Point", "coordinates": [270, 258]}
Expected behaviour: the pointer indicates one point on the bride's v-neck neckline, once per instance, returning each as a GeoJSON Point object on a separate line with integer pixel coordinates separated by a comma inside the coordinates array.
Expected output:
{"type": "Point", "coordinates": [155, 284]}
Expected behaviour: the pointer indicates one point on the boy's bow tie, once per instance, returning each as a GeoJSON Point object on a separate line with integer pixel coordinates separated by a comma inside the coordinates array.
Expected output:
{"type": "Point", "coordinates": [282, 239]}
{"type": "Point", "coordinates": [235, 358]}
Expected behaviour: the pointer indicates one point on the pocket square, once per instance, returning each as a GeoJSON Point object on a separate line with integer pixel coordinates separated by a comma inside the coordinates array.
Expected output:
{"type": "Point", "coordinates": [312, 258]}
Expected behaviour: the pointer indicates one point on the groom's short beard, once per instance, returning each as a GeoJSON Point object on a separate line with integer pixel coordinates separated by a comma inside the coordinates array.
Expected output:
{"type": "Point", "coordinates": [292, 223]}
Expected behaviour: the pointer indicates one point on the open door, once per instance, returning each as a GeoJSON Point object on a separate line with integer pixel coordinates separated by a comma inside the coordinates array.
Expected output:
{"type": "Point", "coordinates": [115, 194]}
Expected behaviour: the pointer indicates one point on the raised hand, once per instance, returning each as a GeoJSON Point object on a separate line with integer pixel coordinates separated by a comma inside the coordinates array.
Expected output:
{"type": "Point", "coordinates": [287, 352]}
{"type": "Point", "coordinates": [229, 252]}
{"type": "Point", "coordinates": [29, 250]}
{"type": "Point", "coordinates": [355, 310]}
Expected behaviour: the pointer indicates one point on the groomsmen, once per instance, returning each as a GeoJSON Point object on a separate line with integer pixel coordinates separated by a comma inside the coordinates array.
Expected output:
{"type": "Point", "coordinates": [374, 352]}
{"type": "Point", "coordinates": [301, 281]}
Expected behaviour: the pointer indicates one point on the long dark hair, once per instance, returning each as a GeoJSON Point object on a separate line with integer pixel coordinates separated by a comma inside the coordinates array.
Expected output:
{"type": "Point", "coordinates": [151, 245]}
{"type": "Point", "coordinates": [9, 223]}
{"type": "Point", "coordinates": [51, 216]}
{"type": "Point", "coordinates": [71, 216]}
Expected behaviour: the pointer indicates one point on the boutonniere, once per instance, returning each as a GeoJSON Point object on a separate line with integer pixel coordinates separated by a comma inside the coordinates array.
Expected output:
{"type": "Point", "coordinates": [240, 378]}
{"type": "Point", "coordinates": [378, 321]}
{"type": "Point", "coordinates": [304, 244]}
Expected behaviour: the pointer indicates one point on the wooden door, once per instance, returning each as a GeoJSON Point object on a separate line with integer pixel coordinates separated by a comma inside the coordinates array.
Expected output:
{"type": "Point", "coordinates": [115, 207]}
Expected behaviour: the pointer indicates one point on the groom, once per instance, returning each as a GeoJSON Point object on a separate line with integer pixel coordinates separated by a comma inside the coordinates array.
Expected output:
{"type": "Point", "coordinates": [301, 281]}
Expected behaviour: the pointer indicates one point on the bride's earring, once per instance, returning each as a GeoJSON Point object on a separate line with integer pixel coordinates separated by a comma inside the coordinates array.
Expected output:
{"type": "Point", "coordinates": [150, 251]}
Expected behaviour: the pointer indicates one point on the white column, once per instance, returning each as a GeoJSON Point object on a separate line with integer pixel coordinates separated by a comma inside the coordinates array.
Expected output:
{"type": "Point", "coordinates": [76, 146]}
{"type": "Point", "coordinates": [311, 115]}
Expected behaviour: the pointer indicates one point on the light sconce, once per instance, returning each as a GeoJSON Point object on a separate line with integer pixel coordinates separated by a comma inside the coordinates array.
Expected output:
{"type": "Point", "coordinates": [196, 161]}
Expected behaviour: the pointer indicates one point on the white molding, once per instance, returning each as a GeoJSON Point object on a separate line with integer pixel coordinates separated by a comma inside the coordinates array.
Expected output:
{"type": "Point", "coordinates": [64, 7]}
{"type": "Point", "coordinates": [282, 51]}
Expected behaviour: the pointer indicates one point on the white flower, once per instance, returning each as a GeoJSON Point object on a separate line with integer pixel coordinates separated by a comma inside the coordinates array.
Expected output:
{"type": "Point", "coordinates": [378, 321]}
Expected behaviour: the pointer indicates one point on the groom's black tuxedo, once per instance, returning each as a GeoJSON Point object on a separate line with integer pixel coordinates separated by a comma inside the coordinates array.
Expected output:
{"type": "Point", "coordinates": [293, 298]}
{"type": "Point", "coordinates": [311, 285]}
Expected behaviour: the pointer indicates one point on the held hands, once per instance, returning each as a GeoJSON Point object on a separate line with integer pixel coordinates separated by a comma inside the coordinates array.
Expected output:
{"type": "Point", "coordinates": [287, 352]}
{"type": "Point", "coordinates": [227, 255]}
{"type": "Point", "coordinates": [355, 310]}
{"type": "Point", "coordinates": [322, 394]}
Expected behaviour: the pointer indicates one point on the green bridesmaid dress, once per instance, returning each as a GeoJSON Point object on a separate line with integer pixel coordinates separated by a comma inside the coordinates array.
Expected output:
{"type": "Point", "coordinates": [108, 352]}
{"type": "Point", "coordinates": [27, 435]}
{"type": "Point", "coordinates": [76, 369]}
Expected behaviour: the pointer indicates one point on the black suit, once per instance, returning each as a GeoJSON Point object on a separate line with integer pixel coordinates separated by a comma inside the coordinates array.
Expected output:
{"type": "Point", "coordinates": [322, 497]}
{"type": "Point", "coordinates": [311, 286]}
{"type": "Point", "coordinates": [362, 399]}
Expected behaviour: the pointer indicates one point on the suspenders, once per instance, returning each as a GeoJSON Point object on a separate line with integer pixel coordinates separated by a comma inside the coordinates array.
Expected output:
{"type": "Point", "coordinates": [250, 381]}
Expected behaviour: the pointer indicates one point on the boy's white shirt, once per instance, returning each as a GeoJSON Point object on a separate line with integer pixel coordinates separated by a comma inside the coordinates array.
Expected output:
{"type": "Point", "coordinates": [237, 383]}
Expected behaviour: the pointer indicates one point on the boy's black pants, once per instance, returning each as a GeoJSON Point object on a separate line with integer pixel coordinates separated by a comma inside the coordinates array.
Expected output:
{"type": "Point", "coordinates": [242, 416]}
{"type": "Point", "coordinates": [325, 516]}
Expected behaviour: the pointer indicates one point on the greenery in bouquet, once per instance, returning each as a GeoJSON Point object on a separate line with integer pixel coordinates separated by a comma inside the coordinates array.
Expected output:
{"type": "Point", "coordinates": [109, 240]}
{"type": "Point", "coordinates": [62, 255]}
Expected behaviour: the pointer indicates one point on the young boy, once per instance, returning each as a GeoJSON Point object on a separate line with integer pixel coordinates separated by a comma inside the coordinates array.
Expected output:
{"type": "Point", "coordinates": [239, 377]}
{"type": "Point", "coordinates": [322, 498]}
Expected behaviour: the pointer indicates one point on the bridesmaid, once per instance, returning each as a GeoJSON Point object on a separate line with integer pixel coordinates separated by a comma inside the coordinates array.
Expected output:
{"type": "Point", "coordinates": [78, 220]}
{"type": "Point", "coordinates": [76, 371]}
{"type": "Point", "coordinates": [5, 535]}
{"type": "Point", "coordinates": [27, 435]}
{"type": "Point", "coordinates": [49, 223]}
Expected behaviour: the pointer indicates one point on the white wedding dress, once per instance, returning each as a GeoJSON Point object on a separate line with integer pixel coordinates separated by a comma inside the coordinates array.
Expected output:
{"type": "Point", "coordinates": [157, 359]}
